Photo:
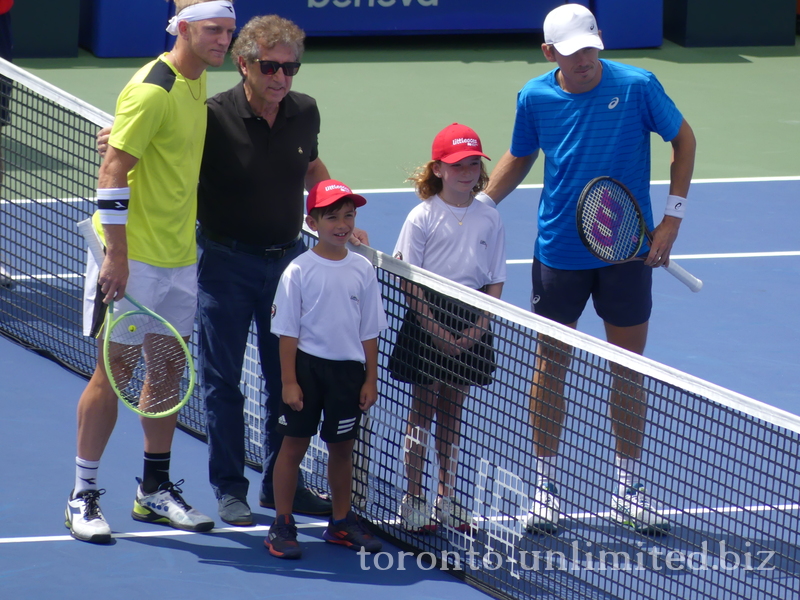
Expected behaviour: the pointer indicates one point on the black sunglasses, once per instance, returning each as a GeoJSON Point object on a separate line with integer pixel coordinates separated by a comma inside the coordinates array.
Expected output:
{"type": "Point", "coordinates": [270, 67]}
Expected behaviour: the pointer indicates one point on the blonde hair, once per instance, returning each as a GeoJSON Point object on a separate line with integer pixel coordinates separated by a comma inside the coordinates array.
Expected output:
{"type": "Point", "coordinates": [267, 32]}
{"type": "Point", "coordinates": [427, 184]}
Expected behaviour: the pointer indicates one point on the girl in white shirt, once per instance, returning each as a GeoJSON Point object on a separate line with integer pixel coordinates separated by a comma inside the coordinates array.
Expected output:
{"type": "Point", "coordinates": [445, 346]}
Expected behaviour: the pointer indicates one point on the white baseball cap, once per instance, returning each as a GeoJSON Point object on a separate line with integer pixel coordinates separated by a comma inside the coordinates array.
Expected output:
{"type": "Point", "coordinates": [571, 27]}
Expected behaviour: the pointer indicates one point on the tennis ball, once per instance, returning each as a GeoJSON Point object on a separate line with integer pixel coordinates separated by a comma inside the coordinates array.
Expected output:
{"type": "Point", "coordinates": [131, 327]}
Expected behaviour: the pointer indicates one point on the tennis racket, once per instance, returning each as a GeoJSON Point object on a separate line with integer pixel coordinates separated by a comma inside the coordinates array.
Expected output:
{"type": "Point", "coordinates": [612, 227]}
{"type": "Point", "coordinates": [145, 357]}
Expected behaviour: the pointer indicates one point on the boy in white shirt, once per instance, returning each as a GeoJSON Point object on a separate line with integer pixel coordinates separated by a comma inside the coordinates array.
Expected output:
{"type": "Point", "coordinates": [328, 314]}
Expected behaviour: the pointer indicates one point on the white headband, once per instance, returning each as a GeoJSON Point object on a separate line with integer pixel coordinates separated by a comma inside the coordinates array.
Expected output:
{"type": "Point", "coordinates": [216, 9]}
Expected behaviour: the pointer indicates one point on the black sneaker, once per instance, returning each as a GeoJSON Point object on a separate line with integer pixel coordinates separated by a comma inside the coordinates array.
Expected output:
{"type": "Point", "coordinates": [352, 533]}
{"type": "Point", "coordinates": [282, 538]}
{"type": "Point", "coordinates": [306, 502]}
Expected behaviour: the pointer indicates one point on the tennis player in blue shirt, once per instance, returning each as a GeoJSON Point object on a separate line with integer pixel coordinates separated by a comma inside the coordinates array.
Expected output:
{"type": "Point", "coordinates": [592, 117]}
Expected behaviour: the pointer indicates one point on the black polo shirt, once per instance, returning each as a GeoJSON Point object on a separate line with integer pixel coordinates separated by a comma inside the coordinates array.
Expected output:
{"type": "Point", "coordinates": [252, 176]}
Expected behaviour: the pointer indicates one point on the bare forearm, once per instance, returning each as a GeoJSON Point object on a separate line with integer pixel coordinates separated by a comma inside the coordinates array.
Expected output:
{"type": "Point", "coordinates": [317, 171]}
{"type": "Point", "coordinates": [508, 174]}
{"type": "Point", "coordinates": [287, 349]}
{"type": "Point", "coordinates": [371, 365]}
{"type": "Point", "coordinates": [684, 147]}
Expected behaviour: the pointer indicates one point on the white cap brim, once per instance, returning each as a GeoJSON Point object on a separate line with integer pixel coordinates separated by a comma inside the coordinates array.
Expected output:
{"type": "Point", "coordinates": [572, 45]}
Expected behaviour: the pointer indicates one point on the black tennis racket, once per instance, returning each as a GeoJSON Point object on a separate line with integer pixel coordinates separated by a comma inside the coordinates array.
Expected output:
{"type": "Point", "coordinates": [147, 361]}
{"type": "Point", "coordinates": [612, 227]}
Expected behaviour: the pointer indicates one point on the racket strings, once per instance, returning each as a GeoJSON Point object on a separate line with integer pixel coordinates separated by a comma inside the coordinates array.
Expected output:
{"type": "Point", "coordinates": [147, 363]}
{"type": "Point", "coordinates": [611, 223]}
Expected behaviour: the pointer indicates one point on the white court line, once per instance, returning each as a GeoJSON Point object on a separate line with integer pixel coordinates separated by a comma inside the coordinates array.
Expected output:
{"type": "Point", "coordinates": [396, 522]}
{"type": "Point", "coordinates": [525, 186]}
{"type": "Point", "coordinates": [159, 533]}
{"type": "Point", "coordinates": [527, 261]}
{"type": "Point", "coordinates": [47, 276]}
{"type": "Point", "coordinates": [538, 186]}
{"type": "Point", "coordinates": [516, 261]}
{"type": "Point", "coordinates": [48, 200]}
{"type": "Point", "coordinates": [584, 516]}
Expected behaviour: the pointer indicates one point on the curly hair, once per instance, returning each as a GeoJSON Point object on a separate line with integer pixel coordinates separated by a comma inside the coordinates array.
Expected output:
{"type": "Point", "coordinates": [427, 184]}
{"type": "Point", "coordinates": [267, 32]}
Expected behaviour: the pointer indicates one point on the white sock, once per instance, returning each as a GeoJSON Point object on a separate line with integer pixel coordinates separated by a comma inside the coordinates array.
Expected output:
{"type": "Point", "coordinates": [627, 473]}
{"type": "Point", "coordinates": [545, 470]}
{"type": "Point", "coordinates": [85, 475]}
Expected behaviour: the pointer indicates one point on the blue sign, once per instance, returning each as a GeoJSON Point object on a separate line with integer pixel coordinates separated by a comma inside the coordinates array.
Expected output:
{"type": "Point", "coordinates": [365, 17]}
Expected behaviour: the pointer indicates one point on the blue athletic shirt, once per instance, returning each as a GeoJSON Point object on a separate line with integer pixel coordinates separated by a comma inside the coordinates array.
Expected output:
{"type": "Point", "coordinates": [605, 131]}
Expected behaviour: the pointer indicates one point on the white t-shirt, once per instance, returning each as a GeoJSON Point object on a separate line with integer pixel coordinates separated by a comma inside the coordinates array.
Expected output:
{"type": "Point", "coordinates": [473, 253]}
{"type": "Point", "coordinates": [331, 306]}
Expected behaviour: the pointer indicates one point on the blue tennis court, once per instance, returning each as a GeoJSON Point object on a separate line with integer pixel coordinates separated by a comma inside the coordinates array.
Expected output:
{"type": "Point", "coordinates": [737, 332]}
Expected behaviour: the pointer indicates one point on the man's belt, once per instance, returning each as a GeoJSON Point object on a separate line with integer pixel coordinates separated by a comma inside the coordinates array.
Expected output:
{"type": "Point", "coordinates": [277, 251]}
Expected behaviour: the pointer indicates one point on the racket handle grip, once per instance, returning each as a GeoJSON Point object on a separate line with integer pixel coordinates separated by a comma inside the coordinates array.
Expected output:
{"type": "Point", "coordinates": [682, 275]}
{"type": "Point", "coordinates": [86, 229]}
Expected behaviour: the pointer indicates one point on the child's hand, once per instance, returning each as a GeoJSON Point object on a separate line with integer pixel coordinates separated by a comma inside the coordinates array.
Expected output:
{"type": "Point", "coordinates": [369, 394]}
{"type": "Point", "coordinates": [469, 337]}
{"type": "Point", "coordinates": [293, 396]}
{"type": "Point", "coordinates": [445, 342]}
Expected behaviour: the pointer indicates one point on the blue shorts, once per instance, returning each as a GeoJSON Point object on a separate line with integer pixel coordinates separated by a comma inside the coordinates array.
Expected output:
{"type": "Point", "coordinates": [622, 294]}
{"type": "Point", "coordinates": [332, 386]}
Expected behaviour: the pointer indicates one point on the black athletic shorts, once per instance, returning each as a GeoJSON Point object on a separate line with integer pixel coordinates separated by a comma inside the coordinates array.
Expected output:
{"type": "Point", "coordinates": [329, 386]}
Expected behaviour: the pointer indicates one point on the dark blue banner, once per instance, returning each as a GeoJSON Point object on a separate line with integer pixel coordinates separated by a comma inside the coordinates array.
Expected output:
{"type": "Point", "coordinates": [348, 17]}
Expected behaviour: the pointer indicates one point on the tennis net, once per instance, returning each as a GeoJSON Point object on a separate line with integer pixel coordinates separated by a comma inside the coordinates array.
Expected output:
{"type": "Point", "coordinates": [724, 466]}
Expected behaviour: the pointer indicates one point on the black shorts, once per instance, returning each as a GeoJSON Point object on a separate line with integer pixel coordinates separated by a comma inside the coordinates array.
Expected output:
{"type": "Point", "coordinates": [416, 360]}
{"type": "Point", "coordinates": [622, 294]}
{"type": "Point", "coordinates": [333, 386]}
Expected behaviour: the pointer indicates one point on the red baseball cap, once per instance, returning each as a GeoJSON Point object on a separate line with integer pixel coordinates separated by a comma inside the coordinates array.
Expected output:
{"type": "Point", "coordinates": [456, 142]}
{"type": "Point", "coordinates": [329, 191]}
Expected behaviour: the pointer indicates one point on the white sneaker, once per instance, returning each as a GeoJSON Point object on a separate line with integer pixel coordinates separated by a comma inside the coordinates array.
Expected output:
{"type": "Point", "coordinates": [168, 507]}
{"type": "Point", "coordinates": [639, 511]}
{"type": "Point", "coordinates": [5, 279]}
{"type": "Point", "coordinates": [545, 511]}
{"type": "Point", "coordinates": [85, 520]}
{"type": "Point", "coordinates": [450, 513]}
{"type": "Point", "coordinates": [360, 502]}
{"type": "Point", "coordinates": [415, 514]}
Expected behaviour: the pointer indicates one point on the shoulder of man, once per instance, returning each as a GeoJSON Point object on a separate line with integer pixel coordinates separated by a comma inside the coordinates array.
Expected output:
{"type": "Point", "coordinates": [300, 101]}
{"type": "Point", "coordinates": [625, 71]}
{"type": "Point", "coordinates": [222, 98]}
{"type": "Point", "coordinates": [545, 81]}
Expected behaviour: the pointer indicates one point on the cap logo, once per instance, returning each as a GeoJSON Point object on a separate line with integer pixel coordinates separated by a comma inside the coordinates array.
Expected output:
{"type": "Point", "coordinates": [343, 188]}
{"type": "Point", "coordinates": [467, 141]}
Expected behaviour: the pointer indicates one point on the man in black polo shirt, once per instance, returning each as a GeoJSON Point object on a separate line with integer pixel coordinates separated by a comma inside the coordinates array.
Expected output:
{"type": "Point", "coordinates": [260, 152]}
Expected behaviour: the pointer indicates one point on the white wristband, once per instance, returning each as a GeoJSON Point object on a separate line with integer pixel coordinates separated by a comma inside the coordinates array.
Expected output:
{"type": "Point", "coordinates": [485, 198]}
{"type": "Point", "coordinates": [112, 205]}
{"type": "Point", "coordinates": [676, 207]}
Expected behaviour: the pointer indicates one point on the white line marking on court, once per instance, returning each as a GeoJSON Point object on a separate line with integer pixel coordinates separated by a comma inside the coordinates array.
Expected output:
{"type": "Point", "coordinates": [47, 200]}
{"type": "Point", "coordinates": [582, 516]}
{"type": "Point", "coordinates": [159, 533]}
{"type": "Point", "coordinates": [524, 186]}
{"type": "Point", "coordinates": [47, 276]}
{"type": "Point", "coordinates": [527, 261]}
